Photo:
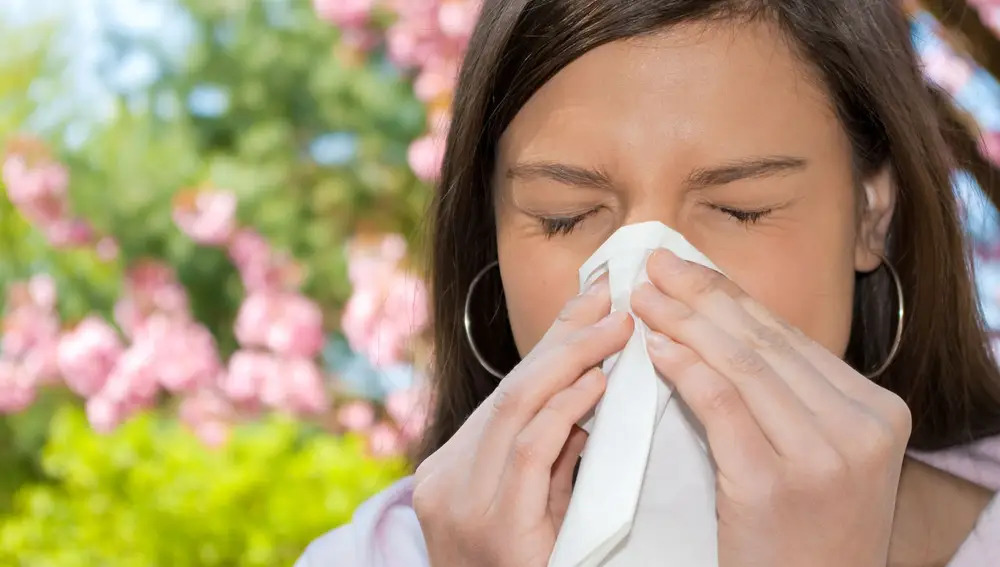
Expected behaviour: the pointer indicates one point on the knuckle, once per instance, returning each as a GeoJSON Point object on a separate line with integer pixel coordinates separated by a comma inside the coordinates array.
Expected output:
{"type": "Point", "coordinates": [878, 440]}
{"type": "Point", "coordinates": [678, 359]}
{"type": "Point", "coordinates": [524, 454]}
{"type": "Point", "coordinates": [826, 468]}
{"type": "Point", "coordinates": [721, 399]}
{"type": "Point", "coordinates": [744, 360]}
{"type": "Point", "coordinates": [765, 337]}
{"type": "Point", "coordinates": [898, 415]}
{"type": "Point", "coordinates": [426, 501]}
{"type": "Point", "coordinates": [704, 282]}
{"type": "Point", "coordinates": [789, 331]}
{"type": "Point", "coordinates": [507, 402]}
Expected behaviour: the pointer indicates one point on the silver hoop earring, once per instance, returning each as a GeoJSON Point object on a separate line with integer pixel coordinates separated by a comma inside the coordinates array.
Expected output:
{"type": "Point", "coordinates": [900, 314]}
{"type": "Point", "coordinates": [468, 321]}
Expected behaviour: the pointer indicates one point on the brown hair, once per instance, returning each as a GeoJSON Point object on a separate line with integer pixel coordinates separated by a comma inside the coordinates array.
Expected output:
{"type": "Point", "coordinates": [861, 49]}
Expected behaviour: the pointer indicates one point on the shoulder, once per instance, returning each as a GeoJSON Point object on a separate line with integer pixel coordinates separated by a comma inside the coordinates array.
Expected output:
{"type": "Point", "coordinates": [384, 532]}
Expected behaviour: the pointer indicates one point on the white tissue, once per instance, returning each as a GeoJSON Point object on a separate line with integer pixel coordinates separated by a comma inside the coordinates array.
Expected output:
{"type": "Point", "coordinates": [645, 491]}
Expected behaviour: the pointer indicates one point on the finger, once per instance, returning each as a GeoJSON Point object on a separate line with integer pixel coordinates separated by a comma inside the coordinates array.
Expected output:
{"type": "Point", "coordinates": [839, 373]}
{"type": "Point", "coordinates": [737, 441]}
{"type": "Point", "coordinates": [785, 420]}
{"type": "Point", "coordinates": [723, 303]}
{"type": "Point", "coordinates": [534, 382]}
{"type": "Point", "coordinates": [584, 310]}
{"type": "Point", "coordinates": [866, 399]}
{"type": "Point", "coordinates": [562, 474]}
{"type": "Point", "coordinates": [527, 473]}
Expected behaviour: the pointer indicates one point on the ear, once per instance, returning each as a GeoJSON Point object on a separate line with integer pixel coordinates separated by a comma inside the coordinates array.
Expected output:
{"type": "Point", "coordinates": [876, 217]}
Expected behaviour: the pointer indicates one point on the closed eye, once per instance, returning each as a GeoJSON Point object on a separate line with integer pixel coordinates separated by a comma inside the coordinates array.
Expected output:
{"type": "Point", "coordinates": [562, 225]}
{"type": "Point", "coordinates": [744, 216]}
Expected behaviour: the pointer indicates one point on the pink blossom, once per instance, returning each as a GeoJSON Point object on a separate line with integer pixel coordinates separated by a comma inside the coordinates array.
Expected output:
{"type": "Point", "coordinates": [436, 80]}
{"type": "Point", "coordinates": [87, 354]}
{"type": "Point", "coordinates": [425, 157]}
{"type": "Point", "coordinates": [247, 374]}
{"type": "Point", "coordinates": [408, 408]}
{"type": "Point", "coordinates": [356, 416]}
{"type": "Point", "coordinates": [407, 304]}
{"type": "Point", "coordinates": [41, 362]}
{"type": "Point", "coordinates": [107, 248]}
{"type": "Point", "coordinates": [17, 390]}
{"type": "Point", "coordinates": [42, 289]}
{"type": "Point", "coordinates": [381, 322]}
{"type": "Point", "coordinates": [388, 306]}
{"type": "Point", "coordinates": [288, 323]}
{"type": "Point", "coordinates": [345, 13]}
{"type": "Point", "coordinates": [185, 353]}
{"type": "Point", "coordinates": [26, 328]}
{"type": "Point", "coordinates": [457, 18]}
{"type": "Point", "coordinates": [207, 217]}
{"type": "Point", "coordinates": [253, 319]}
{"type": "Point", "coordinates": [947, 69]}
{"type": "Point", "coordinates": [132, 383]}
{"type": "Point", "coordinates": [68, 232]}
{"type": "Point", "coordinates": [294, 385]}
{"type": "Point", "coordinates": [403, 42]}
{"type": "Point", "coordinates": [38, 191]}
{"type": "Point", "coordinates": [208, 415]}
{"type": "Point", "coordinates": [260, 267]}
{"type": "Point", "coordinates": [384, 441]}
{"type": "Point", "coordinates": [297, 387]}
{"type": "Point", "coordinates": [150, 287]}
{"type": "Point", "coordinates": [297, 328]}
{"type": "Point", "coordinates": [305, 388]}
{"type": "Point", "coordinates": [103, 414]}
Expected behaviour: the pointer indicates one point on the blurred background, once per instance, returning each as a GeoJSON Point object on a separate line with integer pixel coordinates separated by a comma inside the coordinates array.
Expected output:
{"type": "Point", "coordinates": [214, 310]}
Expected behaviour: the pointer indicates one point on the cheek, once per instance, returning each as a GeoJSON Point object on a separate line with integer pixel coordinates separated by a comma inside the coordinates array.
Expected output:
{"type": "Point", "coordinates": [537, 284]}
{"type": "Point", "coordinates": [809, 284]}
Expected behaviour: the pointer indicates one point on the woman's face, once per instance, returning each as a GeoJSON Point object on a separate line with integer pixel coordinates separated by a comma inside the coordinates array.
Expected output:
{"type": "Point", "coordinates": [719, 131]}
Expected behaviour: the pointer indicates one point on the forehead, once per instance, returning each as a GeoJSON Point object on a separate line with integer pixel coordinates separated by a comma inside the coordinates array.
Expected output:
{"type": "Point", "coordinates": [698, 91]}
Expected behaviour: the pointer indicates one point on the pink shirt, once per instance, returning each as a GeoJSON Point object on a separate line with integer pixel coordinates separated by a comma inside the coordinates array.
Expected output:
{"type": "Point", "coordinates": [385, 532]}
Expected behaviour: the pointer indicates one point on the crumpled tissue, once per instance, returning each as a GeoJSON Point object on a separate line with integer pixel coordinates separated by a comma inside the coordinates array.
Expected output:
{"type": "Point", "coordinates": [645, 490]}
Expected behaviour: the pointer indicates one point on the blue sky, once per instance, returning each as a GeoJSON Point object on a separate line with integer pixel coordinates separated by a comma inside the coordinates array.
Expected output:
{"type": "Point", "coordinates": [82, 24]}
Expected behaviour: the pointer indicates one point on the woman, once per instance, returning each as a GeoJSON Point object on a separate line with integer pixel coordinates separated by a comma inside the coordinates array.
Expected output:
{"type": "Point", "coordinates": [793, 142]}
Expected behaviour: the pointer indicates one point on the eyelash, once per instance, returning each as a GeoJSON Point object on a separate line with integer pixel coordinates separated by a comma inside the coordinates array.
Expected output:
{"type": "Point", "coordinates": [562, 226]}
{"type": "Point", "coordinates": [744, 217]}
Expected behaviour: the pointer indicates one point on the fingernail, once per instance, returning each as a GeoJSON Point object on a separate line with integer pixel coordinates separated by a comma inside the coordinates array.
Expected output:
{"type": "Point", "coordinates": [614, 318]}
{"type": "Point", "coordinates": [670, 262]}
{"type": "Point", "coordinates": [645, 293]}
{"type": "Point", "coordinates": [599, 286]}
{"type": "Point", "coordinates": [658, 343]}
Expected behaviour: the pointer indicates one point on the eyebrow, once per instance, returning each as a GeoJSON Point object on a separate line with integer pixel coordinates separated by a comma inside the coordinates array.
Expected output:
{"type": "Point", "coordinates": [562, 173]}
{"type": "Point", "coordinates": [750, 168]}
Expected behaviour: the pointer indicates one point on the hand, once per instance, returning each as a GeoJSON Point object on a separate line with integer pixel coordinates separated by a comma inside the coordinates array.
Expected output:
{"type": "Point", "coordinates": [497, 492]}
{"type": "Point", "coordinates": [808, 451]}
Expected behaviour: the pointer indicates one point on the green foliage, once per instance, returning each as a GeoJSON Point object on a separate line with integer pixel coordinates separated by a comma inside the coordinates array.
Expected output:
{"type": "Point", "coordinates": [278, 86]}
{"type": "Point", "coordinates": [151, 495]}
